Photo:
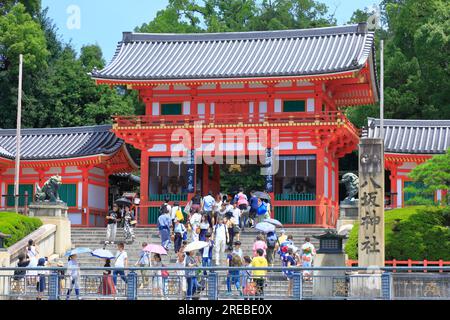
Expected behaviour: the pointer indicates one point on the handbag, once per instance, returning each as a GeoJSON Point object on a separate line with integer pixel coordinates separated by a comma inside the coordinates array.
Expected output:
{"type": "Point", "coordinates": [164, 273]}
{"type": "Point", "coordinates": [250, 289]}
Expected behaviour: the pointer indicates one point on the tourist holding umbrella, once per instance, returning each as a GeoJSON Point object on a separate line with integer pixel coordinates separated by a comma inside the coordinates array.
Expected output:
{"type": "Point", "coordinates": [155, 248]}
{"type": "Point", "coordinates": [143, 261]}
{"type": "Point", "coordinates": [73, 270]}
{"type": "Point", "coordinates": [265, 227]}
{"type": "Point", "coordinates": [107, 284]}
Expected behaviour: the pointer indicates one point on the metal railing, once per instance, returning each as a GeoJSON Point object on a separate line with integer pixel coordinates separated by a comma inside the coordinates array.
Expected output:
{"type": "Point", "coordinates": [222, 283]}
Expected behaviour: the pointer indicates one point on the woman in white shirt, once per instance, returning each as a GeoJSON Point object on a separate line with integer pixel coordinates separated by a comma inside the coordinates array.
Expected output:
{"type": "Point", "coordinates": [204, 228]}
{"type": "Point", "coordinates": [195, 223]}
{"type": "Point", "coordinates": [33, 254]}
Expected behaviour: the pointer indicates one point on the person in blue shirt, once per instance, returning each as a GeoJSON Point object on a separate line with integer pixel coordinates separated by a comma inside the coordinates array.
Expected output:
{"type": "Point", "coordinates": [253, 208]}
{"type": "Point", "coordinates": [164, 223]}
{"type": "Point", "coordinates": [207, 207]}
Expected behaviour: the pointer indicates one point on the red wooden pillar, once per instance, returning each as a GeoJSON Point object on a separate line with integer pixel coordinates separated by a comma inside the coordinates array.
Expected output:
{"type": "Point", "coordinates": [205, 179]}
{"type": "Point", "coordinates": [393, 181]}
{"type": "Point", "coordinates": [336, 187]}
{"type": "Point", "coordinates": [85, 192]}
{"type": "Point", "coordinates": [144, 192]}
{"type": "Point", "coordinates": [216, 177]}
{"type": "Point", "coordinates": [320, 186]}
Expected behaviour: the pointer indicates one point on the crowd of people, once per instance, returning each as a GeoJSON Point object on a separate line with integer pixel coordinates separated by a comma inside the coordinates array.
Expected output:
{"type": "Point", "coordinates": [218, 221]}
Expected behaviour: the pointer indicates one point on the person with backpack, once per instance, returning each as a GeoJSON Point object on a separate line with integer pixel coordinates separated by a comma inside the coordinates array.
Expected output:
{"type": "Point", "coordinates": [179, 230]}
{"type": "Point", "coordinates": [272, 240]}
{"type": "Point", "coordinates": [220, 237]}
{"type": "Point", "coordinates": [259, 244]}
{"type": "Point", "coordinates": [143, 261]}
{"type": "Point", "coordinates": [262, 211]}
{"type": "Point", "coordinates": [164, 224]}
{"type": "Point", "coordinates": [176, 213]}
{"type": "Point", "coordinates": [253, 203]}
{"type": "Point", "coordinates": [208, 207]}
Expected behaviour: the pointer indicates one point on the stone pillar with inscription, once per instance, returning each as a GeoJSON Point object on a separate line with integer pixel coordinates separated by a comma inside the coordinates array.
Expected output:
{"type": "Point", "coordinates": [367, 284]}
{"type": "Point", "coordinates": [371, 203]}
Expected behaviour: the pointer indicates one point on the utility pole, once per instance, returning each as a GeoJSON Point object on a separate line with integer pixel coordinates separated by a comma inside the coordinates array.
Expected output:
{"type": "Point", "coordinates": [382, 90]}
{"type": "Point", "coordinates": [18, 137]}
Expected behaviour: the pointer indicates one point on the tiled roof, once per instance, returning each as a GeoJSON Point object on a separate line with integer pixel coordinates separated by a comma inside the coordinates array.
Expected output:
{"type": "Point", "coordinates": [412, 136]}
{"type": "Point", "coordinates": [240, 54]}
{"type": "Point", "coordinates": [59, 143]}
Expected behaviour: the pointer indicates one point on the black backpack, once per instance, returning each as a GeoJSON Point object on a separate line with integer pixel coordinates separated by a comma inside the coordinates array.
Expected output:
{"type": "Point", "coordinates": [163, 209]}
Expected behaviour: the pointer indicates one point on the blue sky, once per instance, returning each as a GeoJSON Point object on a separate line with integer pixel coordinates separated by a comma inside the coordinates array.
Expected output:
{"type": "Point", "coordinates": [103, 21]}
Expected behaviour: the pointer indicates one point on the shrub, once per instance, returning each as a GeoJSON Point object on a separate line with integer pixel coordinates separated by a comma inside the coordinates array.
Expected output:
{"type": "Point", "coordinates": [18, 226]}
{"type": "Point", "coordinates": [416, 233]}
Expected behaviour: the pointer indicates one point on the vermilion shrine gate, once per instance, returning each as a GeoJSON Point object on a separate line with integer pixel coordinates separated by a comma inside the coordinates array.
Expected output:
{"type": "Point", "coordinates": [293, 83]}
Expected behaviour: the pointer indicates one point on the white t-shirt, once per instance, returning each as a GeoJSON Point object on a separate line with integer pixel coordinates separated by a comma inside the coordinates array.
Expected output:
{"type": "Point", "coordinates": [220, 232]}
{"type": "Point", "coordinates": [120, 259]}
{"type": "Point", "coordinates": [236, 214]}
{"type": "Point", "coordinates": [173, 214]}
{"type": "Point", "coordinates": [311, 246]}
{"type": "Point", "coordinates": [196, 219]}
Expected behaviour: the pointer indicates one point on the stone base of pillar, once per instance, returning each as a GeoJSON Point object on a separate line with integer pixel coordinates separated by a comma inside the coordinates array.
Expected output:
{"type": "Point", "coordinates": [63, 238]}
{"type": "Point", "coordinates": [5, 259]}
{"type": "Point", "coordinates": [328, 284]}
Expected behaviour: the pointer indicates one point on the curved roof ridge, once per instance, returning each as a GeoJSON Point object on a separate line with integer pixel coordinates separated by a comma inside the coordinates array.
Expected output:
{"type": "Point", "coordinates": [60, 143]}
{"type": "Point", "coordinates": [245, 35]}
{"type": "Point", "coordinates": [62, 130]}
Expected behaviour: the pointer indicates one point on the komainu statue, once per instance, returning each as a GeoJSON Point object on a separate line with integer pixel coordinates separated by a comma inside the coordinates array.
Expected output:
{"type": "Point", "coordinates": [49, 191]}
{"type": "Point", "coordinates": [351, 182]}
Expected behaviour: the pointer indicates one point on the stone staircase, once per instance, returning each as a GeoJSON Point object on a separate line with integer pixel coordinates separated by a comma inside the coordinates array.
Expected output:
{"type": "Point", "coordinates": [94, 238]}
{"type": "Point", "coordinates": [277, 284]}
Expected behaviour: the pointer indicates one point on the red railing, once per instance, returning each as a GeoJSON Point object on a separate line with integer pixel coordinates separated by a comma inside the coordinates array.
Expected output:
{"type": "Point", "coordinates": [233, 118]}
{"type": "Point", "coordinates": [407, 263]}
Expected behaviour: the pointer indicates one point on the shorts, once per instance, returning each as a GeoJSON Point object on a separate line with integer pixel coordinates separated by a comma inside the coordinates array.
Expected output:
{"type": "Point", "coordinates": [243, 206]}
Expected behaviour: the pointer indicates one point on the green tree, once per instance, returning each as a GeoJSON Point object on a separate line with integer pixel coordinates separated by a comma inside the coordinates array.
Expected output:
{"type": "Point", "coordinates": [33, 7]}
{"type": "Point", "coordinates": [417, 55]}
{"type": "Point", "coordinates": [92, 57]}
{"type": "Point", "coordinates": [20, 34]}
{"type": "Point", "coordinates": [433, 174]}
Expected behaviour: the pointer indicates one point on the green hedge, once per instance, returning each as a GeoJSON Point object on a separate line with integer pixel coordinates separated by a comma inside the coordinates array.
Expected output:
{"type": "Point", "coordinates": [416, 233]}
{"type": "Point", "coordinates": [18, 226]}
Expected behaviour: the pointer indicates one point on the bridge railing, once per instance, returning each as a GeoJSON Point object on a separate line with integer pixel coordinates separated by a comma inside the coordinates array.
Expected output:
{"type": "Point", "coordinates": [213, 283]}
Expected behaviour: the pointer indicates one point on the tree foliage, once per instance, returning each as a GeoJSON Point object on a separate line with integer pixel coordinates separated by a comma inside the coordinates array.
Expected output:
{"type": "Point", "coordinates": [57, 88]}
{"type": "Point", "coordinates": [433, 174]}
{"type": "Point", "coordinates": [183, 16]}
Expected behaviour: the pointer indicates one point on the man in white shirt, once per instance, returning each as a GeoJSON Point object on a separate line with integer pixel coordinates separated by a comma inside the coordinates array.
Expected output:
{"type": "Point", "coordinates": [121, 261]}
{"type": "Point", "coordinates": [220, 238]}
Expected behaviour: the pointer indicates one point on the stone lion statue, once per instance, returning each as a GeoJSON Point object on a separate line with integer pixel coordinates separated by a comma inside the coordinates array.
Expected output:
{"type": "Point", "coordinates": [351, 183]}
{"type": "Point", "coordinates": [49, 191]}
